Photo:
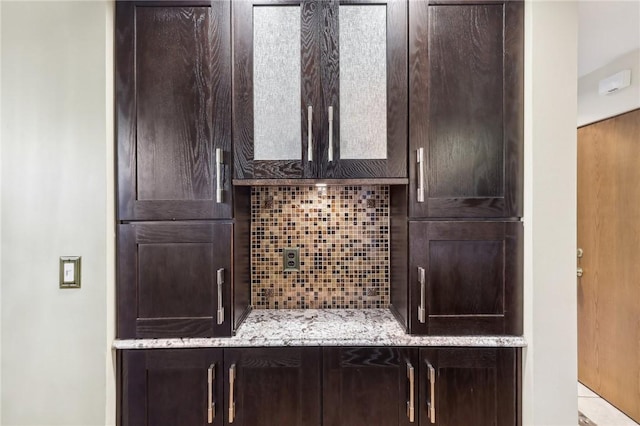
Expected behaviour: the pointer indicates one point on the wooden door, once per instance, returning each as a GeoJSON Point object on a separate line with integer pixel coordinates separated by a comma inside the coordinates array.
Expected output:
{"type": "Point", "coordinates": [466, 276]}
{"type": "Point", "coordinates": [369, 386]}
{"type": "Point", "coordinates": [468, 386]}
{"type": "Point", "coordinates": [173, 110]}
{"type": "Point", "coordinates": [172, 387]}
{"type": "Point", "coordinates": [364, 83]}
{"type": "Point", "coordinates": [173, 278]}
{"type": "Point", "coordinates": [273, 386]}
{"type": "Point", "coordinates": [276, 80]}
{"type": "Point", "coordinates": [609, 235]}
{"type": "Point", "coordinates": [466, 114]}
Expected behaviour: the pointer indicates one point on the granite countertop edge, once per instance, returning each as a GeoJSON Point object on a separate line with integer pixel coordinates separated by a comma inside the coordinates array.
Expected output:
{"type": "Point", "coordinates": [321, 327]}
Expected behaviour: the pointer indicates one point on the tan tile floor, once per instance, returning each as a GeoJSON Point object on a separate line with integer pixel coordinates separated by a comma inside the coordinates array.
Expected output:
{"type": "Point", "coordinates": [600, 411]}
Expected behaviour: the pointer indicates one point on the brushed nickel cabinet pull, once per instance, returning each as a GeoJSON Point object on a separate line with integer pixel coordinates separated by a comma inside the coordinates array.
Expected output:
{"type": "Point", "coordinates": [220, 277]}
{"type": "Point", "coordinates": [431, 405]}
{"type": "Point", "coordinates": [211, 406]}
{"type": "Point", "coordinates": [411, 408]}
{"type": "Point", "coordinates": [421, 307]}
{"type": "Point", "coordinates": [219, 162]}
{"type": "Point", "coordinates": [330, 134]}
{"type": "Point", "coordinates": [232, 402]}
{"type": "Point", "coordinates": [310, 133]}
{"type": "Point", "coordinates": [420, 160]}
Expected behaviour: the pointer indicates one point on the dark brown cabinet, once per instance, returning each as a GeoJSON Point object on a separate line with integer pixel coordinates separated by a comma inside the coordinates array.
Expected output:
{"type": "Point", "coordinates": [173, 110]}
{"type": "Point", "coordinates": [468, 386]}
{"type": "Point", "coordinates": [174, 279]}
{"type": "Point", "coordinates": [172, 387]}
{"type": "Point", "coordinates": [370, 386]}
{"type": "Point", "coordinates": [466, 91]}
{"type": "Point", "coordinates": [273, 386]}
{"type": "Point", "coordinates": [320, 89]}
{"type": "Point", "coordinates": [465, 277]}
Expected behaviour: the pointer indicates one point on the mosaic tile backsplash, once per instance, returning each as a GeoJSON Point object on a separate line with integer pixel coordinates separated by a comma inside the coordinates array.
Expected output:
{"type": "Point", "coordinates": [342, 233]}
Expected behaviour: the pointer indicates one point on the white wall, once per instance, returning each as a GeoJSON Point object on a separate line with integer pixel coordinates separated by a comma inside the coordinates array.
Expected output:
{"type": "Point", "coordinates": [593, 107]}
{"type": "Point", "coordinates": [53, 203]}
{"type": "Point", "coordinates": [550, 365]}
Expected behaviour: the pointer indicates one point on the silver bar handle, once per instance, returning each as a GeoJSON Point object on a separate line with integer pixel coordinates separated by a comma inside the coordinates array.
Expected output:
{"type": "Point", "coordinates": [211, 406]}
{"type": "Point", "coordinates": [330, 134]}
{"type": "Point", "coordinates": [420, 160]}
{"type": "Point", "coordinates": [431, 405]}
{"type": "Point", "coordinates": [220, 276]}
{"type": "Point", "coordinates": [310, 133]}
{"type": "Point", "coordinates": [219, 162]}
{"type": "Point", "coordinates": [232, 401]}
{"type": "Point", "coordinates": [411, 407]}
{"type": "Point", "coordinates": [421, 307]}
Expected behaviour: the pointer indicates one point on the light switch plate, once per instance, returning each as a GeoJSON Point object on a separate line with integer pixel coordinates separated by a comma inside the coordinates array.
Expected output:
{"type": "Point", "coordinates": [291, 259]}
{"type": "Point", "coordinates": [70, 271]}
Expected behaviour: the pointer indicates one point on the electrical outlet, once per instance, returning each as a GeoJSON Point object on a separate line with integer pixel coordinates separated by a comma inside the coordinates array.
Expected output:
{"type": "Point", "coordinates": [291, 259]}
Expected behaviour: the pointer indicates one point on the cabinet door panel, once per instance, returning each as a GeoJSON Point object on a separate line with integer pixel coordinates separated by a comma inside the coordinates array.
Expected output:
{"type": "Point", "coordinates": [368, 386]}
{"type": "Point", "coordinates": [472, 277]}
{"type": "Point", "coordinates": [254, 121]}
{"type": "Point", "coordinates": [173, 100]}
{"type": "Point", "coordinates": [273, 386]}
{"type": "Point", "coordinates": [360, 115]}
{"type": "Point", "coordinates": [470, 386]}
{"type": "Point", "coordinates": [466, 103]}
{"type": "Point", "coordinates": [168, 279]}
{"type": "Point", "coordinates": [172, 387]}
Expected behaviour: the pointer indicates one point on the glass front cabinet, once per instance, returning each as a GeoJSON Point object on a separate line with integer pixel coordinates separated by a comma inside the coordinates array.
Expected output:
{"type": "Point", "coordinates": [320, 89]}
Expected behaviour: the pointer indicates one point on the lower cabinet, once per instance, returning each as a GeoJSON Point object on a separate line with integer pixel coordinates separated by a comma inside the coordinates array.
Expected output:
{"type": "Point", "coordinates": [369, 386]}
{"type": "Point", "coordinates": [464, 386]}
{"type": "Point", "coordinates": [272, 386]}
{"type": "Point", "coordinates": [172, 387]}
{"type": "Point", "coordinates": [305, 386]}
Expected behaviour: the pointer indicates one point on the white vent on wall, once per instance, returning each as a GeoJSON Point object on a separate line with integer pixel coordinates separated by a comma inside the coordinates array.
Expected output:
{"type": "Point", "coordinates": [614, 83]}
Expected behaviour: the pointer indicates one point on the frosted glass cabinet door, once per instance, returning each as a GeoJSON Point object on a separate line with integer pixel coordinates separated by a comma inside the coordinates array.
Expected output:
{"type": "Point", "coordinates": [364, 84]}
{"type": "Point", "coordinates": [276, 81]}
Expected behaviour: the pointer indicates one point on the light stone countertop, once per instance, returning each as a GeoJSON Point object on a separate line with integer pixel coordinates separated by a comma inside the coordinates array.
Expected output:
{"type": "Point", "coordinates": [321, 327]}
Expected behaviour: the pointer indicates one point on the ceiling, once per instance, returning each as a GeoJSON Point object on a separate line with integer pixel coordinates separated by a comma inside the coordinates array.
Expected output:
{"type": "Point", "coordinates": [606, 30]}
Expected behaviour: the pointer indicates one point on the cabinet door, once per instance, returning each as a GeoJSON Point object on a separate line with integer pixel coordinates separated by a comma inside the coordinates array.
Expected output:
{"type": "Point", "coordinates": [276, 88]}
{"type": "Point", "coordinates": [273, 386]}
{"type": "Point", "coordinates": [363, 130]}
{"type": "Point", "coordinates": [465, 278]}
{"type": "Point", "coordinates": [463, 386]}
{"type": "Point", "coordinates": [172, 387]}
{"type": "Point", "coordinates": [173, 279]}
{"type": "Point", "coordinates": [466, 108]}
{"type": "Point", "coordinates": [369, 386]}
{"type": "Point", "coordinates": [173, 110]}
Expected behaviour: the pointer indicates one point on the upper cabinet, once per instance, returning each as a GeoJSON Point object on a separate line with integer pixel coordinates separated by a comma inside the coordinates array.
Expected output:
{"type": "Point", "coordinates": [173, 110]}
{"type": "Point", "coordinates": [466, 108]}
{"type": "Point", "coordinates": [320, 89]}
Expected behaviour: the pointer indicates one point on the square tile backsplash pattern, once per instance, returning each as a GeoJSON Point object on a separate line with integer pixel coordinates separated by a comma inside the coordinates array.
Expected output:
{"type": "Point", "coordinates": [343, 236]}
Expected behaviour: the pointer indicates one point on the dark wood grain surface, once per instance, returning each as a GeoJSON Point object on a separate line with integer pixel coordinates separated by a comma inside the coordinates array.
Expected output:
{"type": "Point", "coordinates": [170, 387]}
{"type": "Point", "coordinates": [246, 167]}
{"type": "Point", "coordinates": [366, 386]}
{"type": "Point", "coordinates": [173, 92]}
{"type": "Point", "coordinates": [466, 109]}
{"type": "Point", "coordinates": [241, 255]}
{"type": "Point", "coordinates": [473, 277]}
{"type": "Point", "coordinates": [275, 386]}
{"type": "Point", "coordinates": [472, 387]}
{"type": "Point", "coordinates": [167, 283]}
{"type": "Point", "coordinates": [399, 253]}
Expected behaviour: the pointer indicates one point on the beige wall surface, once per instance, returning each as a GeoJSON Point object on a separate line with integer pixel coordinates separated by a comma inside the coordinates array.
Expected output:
{"type": "Point", "coordinates": [53, 204]}
{"type": "Point", "coordinates": [594, 107]}
{"type": "Point", "coordinates": [550, 365]}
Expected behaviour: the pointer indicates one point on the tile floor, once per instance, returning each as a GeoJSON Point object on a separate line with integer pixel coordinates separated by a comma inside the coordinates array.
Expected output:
{"type": "Point", "coordinates": [599, 411]}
